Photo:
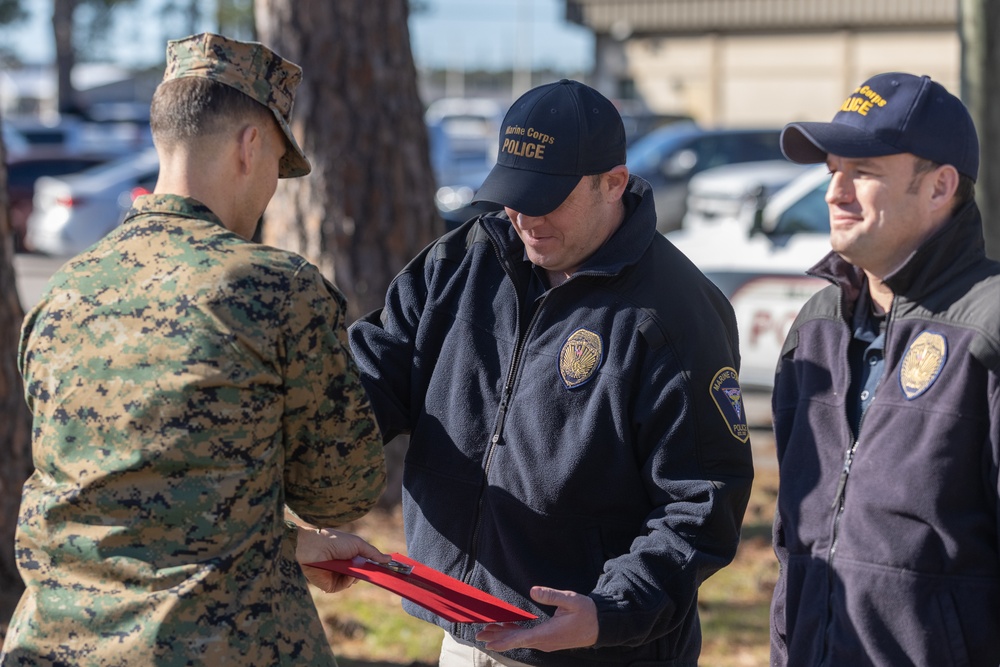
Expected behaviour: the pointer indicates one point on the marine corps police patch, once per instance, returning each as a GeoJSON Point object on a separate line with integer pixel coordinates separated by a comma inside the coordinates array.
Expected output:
{"type": "Point", "coordinates": [922, 363]}
{"type": "Point", "coordinates": [580, 357]}
{"type": "Point", "coordinates": [728, 397]}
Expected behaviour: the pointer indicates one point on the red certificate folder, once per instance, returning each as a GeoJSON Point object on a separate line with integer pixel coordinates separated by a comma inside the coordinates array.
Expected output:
{"type": "Point", "coordinates": [446, 596]}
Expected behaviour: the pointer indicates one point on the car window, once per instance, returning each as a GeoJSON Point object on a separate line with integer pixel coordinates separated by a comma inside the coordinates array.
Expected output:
{"type": "Point", "coordinates": [753, 146]}
{"type": "Point", "coordinates": [646, 154]}
{"type": "Point", "coordinates": [712, 151]}
{"type": "Point", "coordinates": [810, 214]}
{"type": "Point", "coordinates": [715, 150]}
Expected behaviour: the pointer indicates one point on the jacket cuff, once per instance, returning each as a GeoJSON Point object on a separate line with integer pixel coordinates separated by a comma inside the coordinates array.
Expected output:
{"type": "Point", "coordinates": [613, 626]}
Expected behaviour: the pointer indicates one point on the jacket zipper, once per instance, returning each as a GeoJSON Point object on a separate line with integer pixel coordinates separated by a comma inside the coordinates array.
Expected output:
{"type": "Point", "coordinates": [505, 397]}
{"type": "Point", "coordinates": [840, 496]}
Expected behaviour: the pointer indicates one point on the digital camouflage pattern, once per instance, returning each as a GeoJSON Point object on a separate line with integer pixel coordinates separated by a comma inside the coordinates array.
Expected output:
{"type": "Point", "coordinates": [185, 385]}
{"type": "Point", "coordinates": [251, 68]}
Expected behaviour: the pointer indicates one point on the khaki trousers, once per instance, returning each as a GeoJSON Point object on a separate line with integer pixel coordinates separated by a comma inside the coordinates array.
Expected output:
{"type": "Point", "coordinates": [458, 654]}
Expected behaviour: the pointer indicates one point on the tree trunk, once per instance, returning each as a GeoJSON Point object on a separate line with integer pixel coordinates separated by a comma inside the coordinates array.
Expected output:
{"type": "Point", "coordinates": [62, 30]}
{"type": "Point", "coordinates": [979, 23]}
{"type": "Point", "coordinates": [368, 205]}
{"type": "Point", "coordinates": [15, 431]}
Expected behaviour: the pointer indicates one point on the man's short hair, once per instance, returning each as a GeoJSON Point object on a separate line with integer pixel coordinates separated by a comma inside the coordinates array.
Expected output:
{"type": "Point", "coordinates": [964, 193]}
{"type": "Point", "coordinates": [196, 108]}
{"type": "Point", "coordinates": [251, 69]}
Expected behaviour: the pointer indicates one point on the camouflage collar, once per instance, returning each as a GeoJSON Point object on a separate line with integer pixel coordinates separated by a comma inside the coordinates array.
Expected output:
{"type": "Point", "coordinates": [176, 205]}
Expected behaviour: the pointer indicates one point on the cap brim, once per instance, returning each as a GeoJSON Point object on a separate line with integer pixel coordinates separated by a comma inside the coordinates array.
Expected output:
{"type": "Point", "coordinates": [527, 192]}
{"type": "Point", "coordinates": [810, 143]}
{"type": "Point", "coordinates": [294, 162]}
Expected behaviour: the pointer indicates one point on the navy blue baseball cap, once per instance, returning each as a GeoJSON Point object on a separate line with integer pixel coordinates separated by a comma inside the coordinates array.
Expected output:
{"type": "Point", "coordinates": [888, 114]}
{"type": "Point", "coordinates": [551, 137]}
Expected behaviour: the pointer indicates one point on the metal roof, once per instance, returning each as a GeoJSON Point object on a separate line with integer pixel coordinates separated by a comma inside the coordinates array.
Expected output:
{"type": "Point", "coordinates": [630, 17]}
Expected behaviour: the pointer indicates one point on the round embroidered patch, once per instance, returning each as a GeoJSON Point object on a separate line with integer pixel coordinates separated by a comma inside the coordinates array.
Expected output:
{"type": "Point", "coordinates": [922, 363]}
{"type": "Point", "coordinates": [580, 357]}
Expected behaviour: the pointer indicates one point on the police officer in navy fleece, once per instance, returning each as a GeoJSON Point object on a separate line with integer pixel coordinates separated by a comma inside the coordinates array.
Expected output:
{"type": "Point", "coordinates": [570, 384]}
{"type": "Point", "coordinates": [887, 398]}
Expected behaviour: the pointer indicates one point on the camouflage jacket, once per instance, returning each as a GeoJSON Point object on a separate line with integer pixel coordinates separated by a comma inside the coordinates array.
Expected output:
{"type": "Point", "coordinates": [185, 385]}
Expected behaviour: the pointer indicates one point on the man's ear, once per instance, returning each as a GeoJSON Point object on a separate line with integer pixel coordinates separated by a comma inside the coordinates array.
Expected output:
{"type": "Point", "coordinates": [945, 185]}
{"type": "Point", "coordinates": [616, 181]}
{"type": "Point", "coordinates": [250, 144]}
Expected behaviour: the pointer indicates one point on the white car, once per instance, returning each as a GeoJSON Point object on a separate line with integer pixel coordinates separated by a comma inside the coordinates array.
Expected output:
{"type": "Point", "coordinates": [760, 266]}
{"type": "Point", "coordinates": [735, 191]}
{"type": "Point", "coordinates": [71, 213]}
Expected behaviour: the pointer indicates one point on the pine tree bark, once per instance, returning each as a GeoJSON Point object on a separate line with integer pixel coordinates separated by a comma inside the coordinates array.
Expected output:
{"type": "Point", "coordinates": [368, 206]}
{"type": "Point", "coordinates": [62, 31]}
{"type": "Point", "coordinates": [15, 427]}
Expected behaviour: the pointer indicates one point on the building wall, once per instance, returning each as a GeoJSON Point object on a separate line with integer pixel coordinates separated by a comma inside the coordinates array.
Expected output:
{"type": "Point", "coordinates": [771, 79]}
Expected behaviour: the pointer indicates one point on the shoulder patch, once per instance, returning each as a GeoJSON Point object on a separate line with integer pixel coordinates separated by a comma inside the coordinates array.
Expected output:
{"type": "Point", "coordinates": [728, 397]}
{"type": "Point", "coordinates": [922, 363]}
{"type": "Point", "coordinates": [580, 357]}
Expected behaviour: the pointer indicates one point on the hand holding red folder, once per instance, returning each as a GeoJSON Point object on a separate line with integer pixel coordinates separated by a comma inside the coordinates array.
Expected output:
{"type": "Point", "coordinates": [574, 625]}
{"type": "Point", "coordinates": [446, 596]}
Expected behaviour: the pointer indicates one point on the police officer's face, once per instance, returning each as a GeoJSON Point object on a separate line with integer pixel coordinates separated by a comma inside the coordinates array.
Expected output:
{"type": "Point", "coordinates": [880, 209]}
{"type": "Point", "coordinates": [562, 240]}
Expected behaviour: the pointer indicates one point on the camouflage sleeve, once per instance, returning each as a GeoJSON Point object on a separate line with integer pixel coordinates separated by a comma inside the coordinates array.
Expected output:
{"type": "Point", "coordinates": [334, 465]}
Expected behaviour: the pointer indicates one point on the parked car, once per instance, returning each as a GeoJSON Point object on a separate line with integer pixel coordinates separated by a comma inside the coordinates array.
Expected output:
{"type": "Point", "coordinates": [73, 212]}
{"type": "Point", "coordinates": [640, 121]}
{"type": "Point", "coordinates": [736, 191]}
{"type": "Point", "coordinates": [761, 267]}
{"type": "Point", "coordinates": [463, 135]}
{"type": "Point", "coordinates": [799, 207]}
{"type": "Point", "coordinates": [65, 131]}
{"type": "Point", "coordinates": [670, 156]}
{"type": "Point", "coordinates": [14, 142]}
{"type": "Point", "coordinates": [26, 167]}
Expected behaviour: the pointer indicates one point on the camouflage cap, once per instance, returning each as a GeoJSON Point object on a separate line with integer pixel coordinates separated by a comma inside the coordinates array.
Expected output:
{"type": "Point", "coordinates": [252, 69]}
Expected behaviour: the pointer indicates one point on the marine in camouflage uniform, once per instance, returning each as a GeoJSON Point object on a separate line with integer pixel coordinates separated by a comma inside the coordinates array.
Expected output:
{"type": "Point", "coordinates": [186, 385]}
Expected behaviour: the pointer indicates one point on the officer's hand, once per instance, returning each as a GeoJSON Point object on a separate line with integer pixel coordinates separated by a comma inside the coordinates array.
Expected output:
{"type": "Point", "coordinates": [574, 625]}
{"type": "Point", "coordinates": [316, 545]}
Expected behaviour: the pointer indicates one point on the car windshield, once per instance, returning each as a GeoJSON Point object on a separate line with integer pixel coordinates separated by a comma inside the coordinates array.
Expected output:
{"type": "Point", "coordinates": [810, 214]}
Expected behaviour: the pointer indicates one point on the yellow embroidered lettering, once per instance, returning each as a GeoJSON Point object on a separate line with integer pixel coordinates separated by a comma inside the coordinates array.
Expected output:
{"type": "Point", "coordinates": [523, 148]}
{"type": "Point", "coordinates": [540, 136]}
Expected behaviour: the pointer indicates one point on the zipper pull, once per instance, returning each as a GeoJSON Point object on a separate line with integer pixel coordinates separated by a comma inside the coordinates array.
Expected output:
{"type": "Point", "coordinates": [838, 499]}
{"type": "Point", "coordinates": [501, 416]}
